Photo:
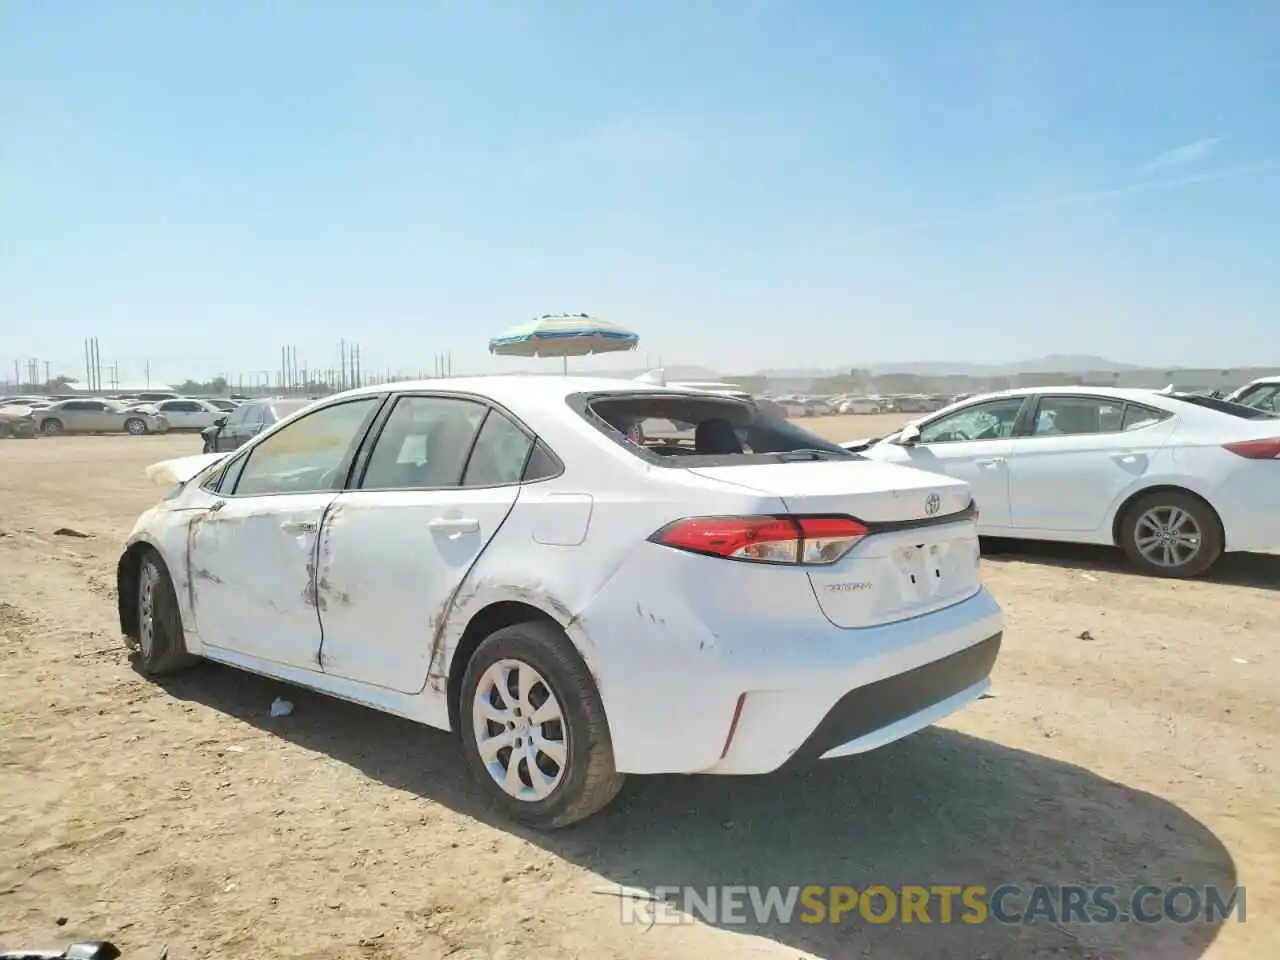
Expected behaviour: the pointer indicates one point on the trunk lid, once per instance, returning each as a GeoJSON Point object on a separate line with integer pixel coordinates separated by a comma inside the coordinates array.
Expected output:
{"type": "Point", "coordinates": [868, 490]}
{"type": "Point", "coordinates": [922, 552]}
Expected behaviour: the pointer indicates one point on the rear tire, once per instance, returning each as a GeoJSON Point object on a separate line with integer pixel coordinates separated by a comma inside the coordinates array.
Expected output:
{"type": "Point", "coordinates": [51, 427]}
{"type": "Point", "coordinates": [161, 648]}
{"type": "Point", "coordinates": [1171, 534]}
{"type": "Point", "coordinates": [564, 767]}
{"type": "Point", "coordinates": [135, 427]}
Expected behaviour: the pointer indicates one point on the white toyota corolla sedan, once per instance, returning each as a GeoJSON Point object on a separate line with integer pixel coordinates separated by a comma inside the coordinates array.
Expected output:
{"type": "Point", "coordinates": [584, 578]}
{"type": "Point", "coordinates": [1174, 479]}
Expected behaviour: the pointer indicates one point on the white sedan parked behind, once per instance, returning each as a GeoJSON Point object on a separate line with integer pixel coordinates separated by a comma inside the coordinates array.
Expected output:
{"type": "Point", "coordinates": [528, 562]}
{"type": "Point", "coordinates": [185, 413]}
{"type": "Point", "coordinates": [1174, 479]}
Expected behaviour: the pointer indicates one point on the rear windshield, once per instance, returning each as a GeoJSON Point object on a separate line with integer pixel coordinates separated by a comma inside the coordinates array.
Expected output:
{"type": "Point", "coordinates": [1224, 406]}
{"type": "Point", "coordinates": [679, 430]}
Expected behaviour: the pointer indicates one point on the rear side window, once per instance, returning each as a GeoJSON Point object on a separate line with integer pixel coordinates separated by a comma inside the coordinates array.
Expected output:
{"type": "Point", "coordinates": [424, 444]}
{"type": "Point", "coordinates": [1137, 416]}
{"type": "Point", "coordinates": [499, 455]}
{"type": "Point", "coordinates": [684, 430]}
{"type": "Point", "coordinates": [542, 465]}
{"type": "Point", "coordinates": [1074, 416]}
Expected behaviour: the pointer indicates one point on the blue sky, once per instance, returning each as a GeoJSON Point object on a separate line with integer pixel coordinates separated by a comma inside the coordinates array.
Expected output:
{"type": "Point", "coordinates": [745, 183]}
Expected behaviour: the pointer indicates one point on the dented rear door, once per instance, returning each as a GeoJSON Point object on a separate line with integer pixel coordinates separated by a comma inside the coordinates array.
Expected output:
{"type": "Point", "coordinates": [251, 576]}
{"type": "Point", "coordinates": [389, 565]}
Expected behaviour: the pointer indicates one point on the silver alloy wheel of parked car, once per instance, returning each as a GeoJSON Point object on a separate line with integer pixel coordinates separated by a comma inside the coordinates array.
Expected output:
{"type": "Point", "coordinates": [1168, 536]}
{"type": "Point", "coordinates": [519, 730]}
{"type": "Point", "coordinates": [135, 426]}
{"type": "Point", "coordinates": [51, 427]}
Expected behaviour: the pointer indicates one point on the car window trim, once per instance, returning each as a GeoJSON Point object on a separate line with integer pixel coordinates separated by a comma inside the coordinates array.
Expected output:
{"type": "Point", "coordinates": [1020, 420]}
{"type": "Point", "coordinates": [360, 467]}
{"type": "Point", "coordinates": [249, 446]}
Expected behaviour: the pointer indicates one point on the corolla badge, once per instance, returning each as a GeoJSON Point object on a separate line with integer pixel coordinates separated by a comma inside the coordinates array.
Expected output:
{"type": "Point", "coordinates": [848, 587]}
{"type": "Point", "coordinates": [932, 504]}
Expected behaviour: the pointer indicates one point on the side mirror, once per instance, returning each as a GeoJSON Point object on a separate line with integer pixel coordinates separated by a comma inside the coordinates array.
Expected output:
{"type": "Point", "coordinates": [220, 422]}
{"type": "Point", "coordinates": [909, 436]}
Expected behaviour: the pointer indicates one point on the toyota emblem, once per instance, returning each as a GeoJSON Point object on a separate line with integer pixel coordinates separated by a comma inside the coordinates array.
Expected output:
{"type": "Point", "coordinates": [932, 504]}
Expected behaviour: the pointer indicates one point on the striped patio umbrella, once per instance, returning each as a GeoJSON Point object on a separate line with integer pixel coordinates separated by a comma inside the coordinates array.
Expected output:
{"type": "Point", "coordinates": [564, 336]}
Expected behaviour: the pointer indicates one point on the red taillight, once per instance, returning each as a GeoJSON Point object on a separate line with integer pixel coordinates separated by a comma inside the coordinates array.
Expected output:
{"type": "Point", "coordinates": [1256, 449]}
{"type": "Point", "coordinates": [809, 540]}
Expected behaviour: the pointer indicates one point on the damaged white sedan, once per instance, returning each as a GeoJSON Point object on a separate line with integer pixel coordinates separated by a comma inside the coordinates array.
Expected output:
{"type": "Point", "coordinates": [584, 578]}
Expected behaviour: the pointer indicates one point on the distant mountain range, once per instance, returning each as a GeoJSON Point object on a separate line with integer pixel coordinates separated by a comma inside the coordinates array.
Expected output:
{"type": "Point", "coordinates": [1065, 363]}
{"type": "Point", "coordinates": [1054, 363]}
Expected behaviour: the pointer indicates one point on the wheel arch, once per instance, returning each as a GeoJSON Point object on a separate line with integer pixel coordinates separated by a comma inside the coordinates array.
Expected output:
{"type": "Point", "coordinates": [471, 622]}
{"type": "Point", "coordinates": [127, 570]}
{"type": "Point", "coordinates": [1122, 511]}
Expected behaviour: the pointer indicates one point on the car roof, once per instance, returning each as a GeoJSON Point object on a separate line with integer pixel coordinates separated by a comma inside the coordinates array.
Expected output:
{"type": "Point", "coordinates": [525, 389]}
{"type": "Point", "coordinates": [1136, 394]}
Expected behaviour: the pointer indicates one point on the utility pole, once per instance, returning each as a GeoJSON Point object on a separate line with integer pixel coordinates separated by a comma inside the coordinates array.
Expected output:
{"type": "Point", "coordinates": [342, 360]}
{"type": "Point", "coordinates": [356, 380]}
{"type": "Point", "coordinates": [17, 376]}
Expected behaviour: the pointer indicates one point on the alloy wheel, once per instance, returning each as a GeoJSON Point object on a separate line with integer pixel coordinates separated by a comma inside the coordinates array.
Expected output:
{"type": "Point", "coordinates": [520, 730]}
{"type": "Point", "coordinates": [1168, 536]}
{"type": "Point", "coordinates": [147, 581]}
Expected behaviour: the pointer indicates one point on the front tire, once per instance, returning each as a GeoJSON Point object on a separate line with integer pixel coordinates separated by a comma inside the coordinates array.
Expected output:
{"type": "Point", "coordinates": [1172, 534]}
{"type": "Point", "coordinates": [161, 648]}
{"type": "Point", "coordinates": [135, 427]}
{"type": "Point", "coordinates": [533, 727]}
{"type": "Point", "coordinates": [51, 427]}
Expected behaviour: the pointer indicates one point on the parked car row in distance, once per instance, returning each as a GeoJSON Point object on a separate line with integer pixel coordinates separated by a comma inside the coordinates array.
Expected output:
{"type": "Point", "coordinates": [136, 415]}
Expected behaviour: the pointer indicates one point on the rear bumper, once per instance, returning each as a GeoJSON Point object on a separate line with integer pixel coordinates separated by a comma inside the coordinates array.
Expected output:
{"type": "Point", "coordinates": [744, 692]}
{"type": "Point", "coordinates": [896, 706]}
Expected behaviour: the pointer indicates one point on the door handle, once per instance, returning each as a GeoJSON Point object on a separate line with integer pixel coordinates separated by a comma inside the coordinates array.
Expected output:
{"type": "Point", "coordinates": [991, 462]}
{"type": "Point", "coordinates": [298, 526]}
{"type": "Point", "coordinates": [453, 525]}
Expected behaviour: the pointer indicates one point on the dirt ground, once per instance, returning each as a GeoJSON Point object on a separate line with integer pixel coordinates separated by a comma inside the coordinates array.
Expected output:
{"type": "Point", "coordinates": [1133, 738]}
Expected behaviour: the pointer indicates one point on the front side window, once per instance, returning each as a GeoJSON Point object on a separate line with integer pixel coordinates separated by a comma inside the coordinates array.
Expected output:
{"type": "Point", "coordinates": [1074, 416]}
{"type": "Point", "coordinates": [991, 420]}
{"type": "Point", "coordinates": [424, 444]}
{"type": "Point", "coordinates": [308, 455]}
